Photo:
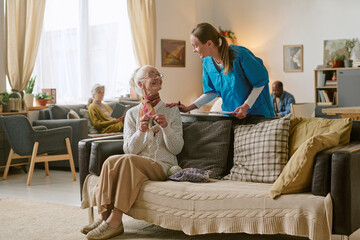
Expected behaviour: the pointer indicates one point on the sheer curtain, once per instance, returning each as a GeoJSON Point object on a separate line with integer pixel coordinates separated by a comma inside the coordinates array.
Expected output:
{"type": "Point", "coordinates": [85, 42]}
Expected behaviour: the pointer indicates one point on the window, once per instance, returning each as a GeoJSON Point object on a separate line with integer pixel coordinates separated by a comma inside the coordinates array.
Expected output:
{"type": "Point", "coordinates": [85, 42]}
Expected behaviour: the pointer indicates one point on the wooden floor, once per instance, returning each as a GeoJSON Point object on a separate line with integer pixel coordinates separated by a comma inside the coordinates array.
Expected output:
{"type": "Point", "coordinates": [58, 187]}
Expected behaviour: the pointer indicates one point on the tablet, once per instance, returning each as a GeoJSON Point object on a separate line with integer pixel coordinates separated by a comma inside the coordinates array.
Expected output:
{"type": "Point", "coordinates": [120, 110]}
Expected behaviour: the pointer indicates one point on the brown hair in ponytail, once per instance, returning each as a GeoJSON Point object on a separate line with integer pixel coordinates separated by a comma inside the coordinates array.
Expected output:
{"type": "Point", "coordinates": [205, 32]}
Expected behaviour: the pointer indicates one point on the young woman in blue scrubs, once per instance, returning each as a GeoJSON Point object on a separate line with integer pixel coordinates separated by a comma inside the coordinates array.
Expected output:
{"type": "Point", "coordinates": [232, 72]}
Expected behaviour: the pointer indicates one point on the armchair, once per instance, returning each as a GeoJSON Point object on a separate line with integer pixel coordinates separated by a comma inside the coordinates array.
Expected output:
{"type": "Point", "coordinates": [56, 116]}
{"type": "Point", "coordinates": [38, 144]}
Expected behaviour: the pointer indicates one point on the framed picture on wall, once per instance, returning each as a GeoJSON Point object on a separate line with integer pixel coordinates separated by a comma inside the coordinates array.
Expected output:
{"type": "Point", "coordinates": [293, 58]}
{"type": "Point", "coordinates": [172, 53]}
{"type": "Point", "coordinates": [333, 49]}
{"type": "Point", "coordinates": [52, 94]}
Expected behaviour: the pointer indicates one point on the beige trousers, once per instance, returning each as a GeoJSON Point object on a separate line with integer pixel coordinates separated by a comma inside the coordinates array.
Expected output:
{"type": "Point", "coordinates": [121, 179]}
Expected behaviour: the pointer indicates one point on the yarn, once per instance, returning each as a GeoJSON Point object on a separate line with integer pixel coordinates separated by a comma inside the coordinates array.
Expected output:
{"type": "Point", "coordinates": [173, 170]}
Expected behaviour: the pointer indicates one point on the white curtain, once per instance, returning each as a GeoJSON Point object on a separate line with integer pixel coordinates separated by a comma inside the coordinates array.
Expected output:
{"type": "Point", "coordinates": [24, 19]}
{"type": "Point", "coordinates": [142, 14]}
{"type": "Point", "coordinates": [85, 42]}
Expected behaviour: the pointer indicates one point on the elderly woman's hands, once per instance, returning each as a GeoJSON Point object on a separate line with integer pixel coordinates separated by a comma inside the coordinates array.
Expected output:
{"type": "Point", "coordinates": [144, 123]}
{"type": "Point", "coordinates": [160, 119]}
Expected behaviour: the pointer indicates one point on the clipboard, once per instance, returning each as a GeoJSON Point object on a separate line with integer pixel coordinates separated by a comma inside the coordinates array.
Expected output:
{"type": "Point", "coordinates": [217, 112]}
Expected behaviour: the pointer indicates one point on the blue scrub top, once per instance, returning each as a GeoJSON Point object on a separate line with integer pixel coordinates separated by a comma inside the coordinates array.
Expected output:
{"type": "Point", "coordinates": [234, 88]}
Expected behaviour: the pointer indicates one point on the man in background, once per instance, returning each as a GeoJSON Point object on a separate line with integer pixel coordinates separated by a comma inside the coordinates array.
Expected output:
{"type": "Point", "coordinates": [281, 99]}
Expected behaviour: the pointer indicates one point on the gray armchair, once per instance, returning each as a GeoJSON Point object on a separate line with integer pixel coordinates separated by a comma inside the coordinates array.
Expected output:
{"type": "Point", "coordinates": [39, 144]}
{"type": "Point", "coordinates": [56, 116]}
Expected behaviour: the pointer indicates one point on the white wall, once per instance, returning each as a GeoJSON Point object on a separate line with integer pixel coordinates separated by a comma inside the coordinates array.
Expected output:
{"type": "Point", "coordinates": [175, 20]}
{"type": "Point", "coordinates": [2, 48]}
{"type": "Point", "coordinates": [265, 26]}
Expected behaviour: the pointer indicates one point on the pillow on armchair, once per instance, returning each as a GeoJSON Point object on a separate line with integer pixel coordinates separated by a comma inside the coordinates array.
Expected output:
{"type": "Point", "coordinates": [206, 146]}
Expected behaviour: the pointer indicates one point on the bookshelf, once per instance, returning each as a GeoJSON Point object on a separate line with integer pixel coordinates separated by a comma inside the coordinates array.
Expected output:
{"type": "Point", "coordinates": [336, 87]}
{"type": "Point", "coordinates": [326, 87]}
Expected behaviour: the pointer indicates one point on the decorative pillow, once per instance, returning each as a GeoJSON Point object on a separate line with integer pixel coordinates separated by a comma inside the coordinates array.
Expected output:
{"type": "Point", "coordinates": [85, 114]}
{"type": "Point", "coordinates": [191, 175]}
{"type": "Point", "coordinates": [206, 146]}
{"type": "Point", "coordinates": [302, 129]}
{"type": "Point", "coordinates": [58, 112]}
{"type": "Point", "coordinates": [260, 151]}
{"type": "Point", "coordinates": [61, 111]}
{"type": "Point", "coordinates": [72, 115]}
{"type": "Point", "coordinates": [297, 174]}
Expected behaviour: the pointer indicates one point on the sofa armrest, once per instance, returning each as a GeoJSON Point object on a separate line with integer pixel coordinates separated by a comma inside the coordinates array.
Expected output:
{"type": "Point", "coordinates": [321, 183]}
{"type": "Point", "coordinates": [101, 150]}
{"type": "Point", "coordinates": [84, 156]}
{"type": "Point", "coordinates": [78, 125]}
{"type": "Point", "coordinates": [345, 189]}
{"type": "Point", "coordinates": [79, 131]}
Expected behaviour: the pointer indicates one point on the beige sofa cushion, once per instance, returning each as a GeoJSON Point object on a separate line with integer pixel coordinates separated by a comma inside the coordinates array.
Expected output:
{"type": "Point", "coordinates": [302, 129]}
{"type": "Point", "coordinates": [297, 174]}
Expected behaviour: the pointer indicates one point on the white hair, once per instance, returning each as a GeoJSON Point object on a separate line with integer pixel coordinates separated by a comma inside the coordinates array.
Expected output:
{"type": "Point", "coordinates": [137, 77]}
{"type": "Point", "coordinates": [95, 88]}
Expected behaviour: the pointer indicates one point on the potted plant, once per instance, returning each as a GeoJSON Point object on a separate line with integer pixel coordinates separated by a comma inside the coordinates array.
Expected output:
{"type": "Point", "coordinates": [4, 96]}
{"type": "Point", "coordinates": [229, 35]}
{"type": "Point", "coordinates": [349, 45]}
{"type": "Point", "coordinates": [42, 99]}
{"type": "Point", "coordinates": [337, 60]}
{"type": "Point", "coordinates": [28, 95]}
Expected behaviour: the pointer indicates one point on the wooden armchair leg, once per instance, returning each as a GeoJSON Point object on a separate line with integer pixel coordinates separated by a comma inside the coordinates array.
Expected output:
{"type": "Point", "coordinates": [46, 168]}
{"type": "Point", "coordinates": [32, 162]}
{"type": "Point", "coordinates": [71, 160]}
{"type": "Point", "coordinates": [8, 163]}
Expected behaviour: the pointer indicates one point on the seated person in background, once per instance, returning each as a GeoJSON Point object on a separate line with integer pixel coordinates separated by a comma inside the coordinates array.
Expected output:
{"type": "Point", "coordinates": [281, 99]}
{"type": "Point", "coordinates": [152, 139]}
{"type": "Point", "coordinates": [100, 113]}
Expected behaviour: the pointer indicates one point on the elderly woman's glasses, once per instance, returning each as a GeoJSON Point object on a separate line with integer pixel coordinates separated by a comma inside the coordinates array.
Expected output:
{"type": "Point", "coordinates": [154, 75]}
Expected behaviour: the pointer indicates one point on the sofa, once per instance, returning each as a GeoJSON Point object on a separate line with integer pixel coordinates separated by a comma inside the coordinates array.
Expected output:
{"type": "Point", "coordinates": [328, 206]}
{"type": "Point", "coordinates": [58, 115]}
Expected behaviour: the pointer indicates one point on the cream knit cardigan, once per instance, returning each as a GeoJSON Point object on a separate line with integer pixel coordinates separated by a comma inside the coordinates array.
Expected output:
{"type": "Point", "coordinates": [164, 146]}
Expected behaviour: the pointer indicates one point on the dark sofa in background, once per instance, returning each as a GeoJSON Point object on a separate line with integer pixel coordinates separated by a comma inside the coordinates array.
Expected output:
{"type": "Point", "coordinates": [56, 116]}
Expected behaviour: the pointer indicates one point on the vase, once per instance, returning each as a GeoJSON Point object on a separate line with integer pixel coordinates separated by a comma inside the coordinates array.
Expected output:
{"type": "Point", "coordinates": [348, 63]}
{"type": "Point", "coordinates": [41, 102]}
{"type": "Point", "coordinates": [29, 99]}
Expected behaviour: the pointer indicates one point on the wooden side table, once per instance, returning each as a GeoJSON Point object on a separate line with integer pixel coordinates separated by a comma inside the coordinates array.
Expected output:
{"type": "Point", "coordinates": [344, 112]}
{"type": "Point", "coordinates": [4, 145]}
{"type": "Point", "coordinates": [33, 112]}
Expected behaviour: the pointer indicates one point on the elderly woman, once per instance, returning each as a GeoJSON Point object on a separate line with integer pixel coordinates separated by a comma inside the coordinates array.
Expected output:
{"type": "Point", "coordinates": [100, 113]}
{"type": "Point", "coordinates": [152, 139]}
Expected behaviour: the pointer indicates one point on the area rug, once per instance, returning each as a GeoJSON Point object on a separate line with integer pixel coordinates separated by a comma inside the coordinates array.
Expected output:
{"type": "Point", "coordinates": [35, 220]}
